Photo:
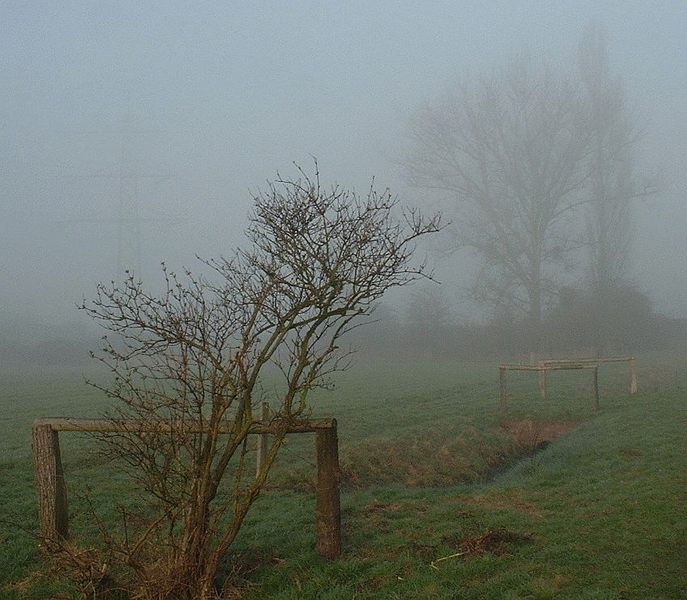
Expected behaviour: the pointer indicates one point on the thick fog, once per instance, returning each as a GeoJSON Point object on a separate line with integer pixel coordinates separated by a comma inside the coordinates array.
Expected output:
{"type": "Point", "coordinates": [134, 132]}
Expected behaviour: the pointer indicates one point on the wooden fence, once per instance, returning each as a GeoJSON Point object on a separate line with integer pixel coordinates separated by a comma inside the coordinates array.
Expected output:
{"type": "Point", "coordinates": [564, 364]}
{"type": "Point", "coordinates": [52, 489]}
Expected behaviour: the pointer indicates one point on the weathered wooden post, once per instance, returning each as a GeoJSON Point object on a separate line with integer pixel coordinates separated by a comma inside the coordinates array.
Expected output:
{"type": "Point", "coordinates": [261, 450]}
{"type": "Point", "coordinates": [633, 376]}
{"type": "Point", "coordinates": [596, 387]}
{"type": "Point", "coordinates": [52, 492]}
{"type": "Point", "coordinates": [328, 507]}
{"type": "Point", "coordinates": [503, 387]}
{"type": "Point", "coordinates": [542, 380]}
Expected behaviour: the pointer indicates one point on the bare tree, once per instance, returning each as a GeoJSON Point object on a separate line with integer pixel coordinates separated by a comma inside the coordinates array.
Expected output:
{"type": "Point", "coordinates": [612, 183]}
{"type": "Point", "coordinates": [429, 320]}
{"type": "Point", "coordinates": [317, 262]}
{"type": "Point", "coordinates": [510, 150]}
{"type": "Point", "coordinates": [429, 309]}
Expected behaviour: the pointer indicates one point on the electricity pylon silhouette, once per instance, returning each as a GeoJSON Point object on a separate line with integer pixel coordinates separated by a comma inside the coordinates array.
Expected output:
{"type": "Point", "coordinates": [129, 220]}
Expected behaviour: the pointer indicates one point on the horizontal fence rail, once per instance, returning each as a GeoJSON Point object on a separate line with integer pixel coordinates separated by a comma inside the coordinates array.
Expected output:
{"type": "Point", "coordinates": [610, 359]}
{"type": "Point", "coordinates": [133, 426]}
{"type": "Point", "coordinates": [553, 367]}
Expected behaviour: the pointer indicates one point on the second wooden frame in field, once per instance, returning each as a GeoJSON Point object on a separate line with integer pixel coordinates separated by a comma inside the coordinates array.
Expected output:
{"type": "Point", "coordinates": [565, 364]}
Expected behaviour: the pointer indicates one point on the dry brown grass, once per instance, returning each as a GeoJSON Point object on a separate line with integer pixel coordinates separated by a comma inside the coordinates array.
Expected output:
{"type": "Point", "coordinates": [531, 435]}
{"type": "Point", "coordinates": [503, 501]}
{"type": "Point", "coordinates": [444, 457]}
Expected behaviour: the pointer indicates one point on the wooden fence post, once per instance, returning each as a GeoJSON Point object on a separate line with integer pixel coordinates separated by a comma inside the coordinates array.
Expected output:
{"type": "Point", "coordinates": [262, 442]}
{"type": "Point", "coordinates": [52, 492]}
{"type": "Point", "coordinates": [633, 376]}
{"type": "Point", "coordinates": [503, 387]}
{"type": "Point", "coordinates": [328, 507]}
{"type": "Point", "coordinates": [596, 387]}
{"type": "Point", "coordinates": [542, 381]}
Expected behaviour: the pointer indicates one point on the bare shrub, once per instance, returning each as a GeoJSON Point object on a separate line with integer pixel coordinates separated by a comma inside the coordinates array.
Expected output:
{"type": "Point", "coordinates": [194, 359]}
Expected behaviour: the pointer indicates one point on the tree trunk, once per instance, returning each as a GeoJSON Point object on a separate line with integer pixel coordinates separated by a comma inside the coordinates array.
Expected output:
{"type": "Point", "coordinates": [534, 318]}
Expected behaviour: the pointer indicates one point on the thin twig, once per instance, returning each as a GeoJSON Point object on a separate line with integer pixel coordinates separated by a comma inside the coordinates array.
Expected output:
{"type": "Point", "coordinates": [433, 564]}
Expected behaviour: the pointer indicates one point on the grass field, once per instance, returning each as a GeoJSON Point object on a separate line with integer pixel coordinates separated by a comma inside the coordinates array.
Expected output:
{"type": "Point", "coordinates": [439, 501]}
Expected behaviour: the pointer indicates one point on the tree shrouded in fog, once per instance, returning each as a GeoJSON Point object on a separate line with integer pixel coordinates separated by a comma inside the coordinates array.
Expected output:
{"type": "Point", "coordinates": [510, 150]}
{"type": "Point", "coordinates": [429, 319]}
{"type": "Point", "coordinates": [318, 260]}
{"type": "Point", "coordinates": [612, 182]}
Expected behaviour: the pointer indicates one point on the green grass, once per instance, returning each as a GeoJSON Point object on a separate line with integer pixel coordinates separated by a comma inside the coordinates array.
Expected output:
{"type": "Point", "coordinates": [599, 513]}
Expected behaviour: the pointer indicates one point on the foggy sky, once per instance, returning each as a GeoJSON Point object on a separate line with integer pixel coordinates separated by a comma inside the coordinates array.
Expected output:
{"type": "Point", "coordinates": [218, 96]}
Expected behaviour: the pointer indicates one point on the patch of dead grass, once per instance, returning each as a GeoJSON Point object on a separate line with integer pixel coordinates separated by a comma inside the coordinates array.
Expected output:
{"type": "Point", "coordinates": [531, 434]}
{"type": "Point", "coordinates": [503, 501]}
{"type": "Point", "coordinates": [495, 541]}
